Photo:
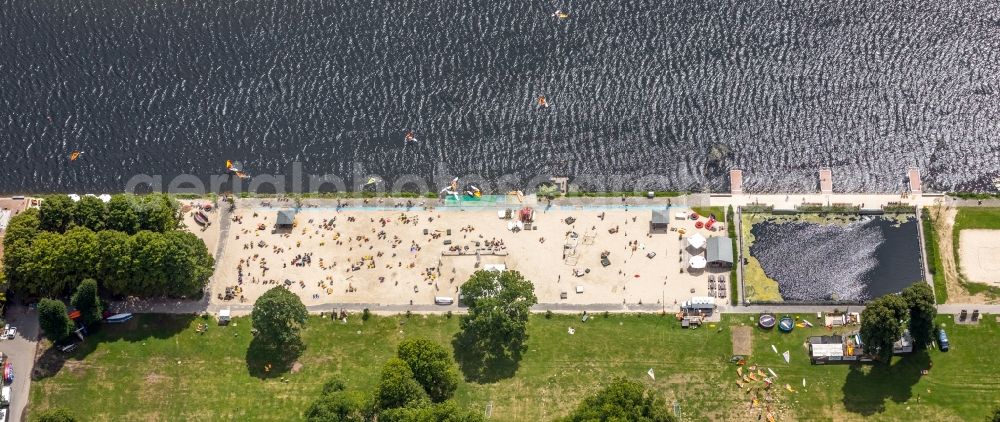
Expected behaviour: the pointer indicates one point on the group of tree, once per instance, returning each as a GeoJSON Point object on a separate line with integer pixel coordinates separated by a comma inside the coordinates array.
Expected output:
{"type": "Point", "coordinates": [622, 400]}
{"type": "Point", "coordinates": [124, 212]}
{"type": "Point", "coordinates": [884, 319]}
{"type": "Point", "coordinates": [55, 322]}
{"type": "Point", "coordinates": [494, 331]}
{"type": "Point", "coordinates": [416, 385]}
{"type": "Point", "coordinates": [129, 246]}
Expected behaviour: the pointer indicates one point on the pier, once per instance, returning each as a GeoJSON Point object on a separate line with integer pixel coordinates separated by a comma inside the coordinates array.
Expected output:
{"type": "Point", "coordinates": [826, 181]}
{"type": "Point", "coordinates": [913, 174]}
{"type": "Point", "coordinates": [736, 182]}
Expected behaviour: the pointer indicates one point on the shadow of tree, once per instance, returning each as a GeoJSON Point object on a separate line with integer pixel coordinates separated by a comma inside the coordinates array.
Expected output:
{"type": "Point", "coordinates": [482, 366]}
{"type": "Point", "coordinates": [140, 328]}
{"type": "Point", "coordinates": [865, 391]}
{"type": "Point", "coordinates": [269, 360]}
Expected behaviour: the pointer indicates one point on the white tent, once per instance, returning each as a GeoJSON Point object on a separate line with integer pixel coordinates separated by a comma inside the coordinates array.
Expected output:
{"type": "Point", "coordinates": [697, 262]}
{"type": "Point", "coordinates": [104, 198]}
{"type": "Point", "coordinates": [74, 197]}
{"type": "Point", "coordinates": [697, 241]}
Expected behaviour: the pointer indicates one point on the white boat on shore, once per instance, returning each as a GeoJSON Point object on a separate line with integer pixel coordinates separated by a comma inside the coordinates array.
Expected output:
{"type": "Point", "coordinates": [119, 318]}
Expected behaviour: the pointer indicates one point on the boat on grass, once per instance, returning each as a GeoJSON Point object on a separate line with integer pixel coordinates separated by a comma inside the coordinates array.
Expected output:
{"type": "Point", "coordinates": [786, 324]}
{"type": "Point", "coordinates": [766, 321]}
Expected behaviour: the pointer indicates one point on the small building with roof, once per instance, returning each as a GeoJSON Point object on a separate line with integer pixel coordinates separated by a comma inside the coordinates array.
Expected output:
{"type": "Point", "coordinates": [659, 221]}
{"type": "Point", "coordinates": [285, 220]}
{"type": "Point", "coordinates": [720, 251]}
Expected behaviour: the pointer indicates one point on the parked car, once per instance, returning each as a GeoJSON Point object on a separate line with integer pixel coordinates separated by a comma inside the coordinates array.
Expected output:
{"type": "Point", "coordinates": [5, 393]}
{"type": "Point", "coordinates": [8, 332]}
{"type": "Point", "coordinates": [943, 343]}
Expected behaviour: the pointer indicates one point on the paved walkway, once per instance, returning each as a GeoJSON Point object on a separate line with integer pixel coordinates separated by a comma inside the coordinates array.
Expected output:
{"type": "Point", "coordinates": [21, 352]}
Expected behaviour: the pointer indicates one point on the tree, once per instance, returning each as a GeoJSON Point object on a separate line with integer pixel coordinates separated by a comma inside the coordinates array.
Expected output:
{"type": "Point", "coordinates": [880, 327]}
{"type": "Point", "coordinates": [432, 367]}
{"type": "Point", "coordinates": [447, 411]}
{"type": "Point", "coordinates": [53, 320]}
{"type": "Point", "coordinates": [499, 304]}
{"type": "Point", "coordinates": [336, 404]}
{"type": "Point", "coordinates": [56, 414]}
{"type": "Point", "coordinates": [122, 215]}
{"type": "Point", "coordinates": [157, 212]}
{"type": "Point", "coordinates": [278, 316]}
{"type": "Point", "coordinates": [56, 213]}
{"type": "Point", "coordinates": [90, 212]}
{"type": "Point", "coordinates": [187, 264]}
{"type": "Point", "coordinates": [920, 299]}
{"type": "Point", "coordinates": [622, 400]}
{"type": "Point", "coordinates": [995, 417]}
{"type": "Point", "coordinates": [548, 190]}
{"type": "Point", "coordinates": [114, 263]}
{"type": "Point", "coordinates": [397, 388]}
{"type": "Point", "coordinates": [87, 301]}
{"type": "Point", "coordinates": [23, 226]}
{"type": "Point", "coordinates": [21, 231]}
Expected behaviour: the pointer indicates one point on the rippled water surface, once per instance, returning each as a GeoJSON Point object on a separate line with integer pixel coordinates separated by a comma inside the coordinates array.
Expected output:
{"type": "Point", "coordinates": [683, 89]}
{"type": "Point", "coordinates": [850, 262]}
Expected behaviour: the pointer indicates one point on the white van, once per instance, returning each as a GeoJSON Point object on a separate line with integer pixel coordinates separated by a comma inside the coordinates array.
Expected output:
{"type": "Point", "coordinates": [5, 393]}
{"type": "Point", "coordinates": [443, 300]}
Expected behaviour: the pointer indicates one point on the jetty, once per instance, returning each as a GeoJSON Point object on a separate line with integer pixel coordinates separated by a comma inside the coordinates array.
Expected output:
{"type": "Point", "coordinates": [826, 181]}
{"type": "Point", "coordinates": [736, 182]}
{"type": "Point", "coordinates": [913, 174]}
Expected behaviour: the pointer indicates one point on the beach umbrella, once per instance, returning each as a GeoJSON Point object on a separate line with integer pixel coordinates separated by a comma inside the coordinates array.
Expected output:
{"type": "Point", "coordinates": [697, 241]}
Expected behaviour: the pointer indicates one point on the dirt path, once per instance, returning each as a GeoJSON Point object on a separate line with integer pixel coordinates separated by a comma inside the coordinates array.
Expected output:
{"type": "Point", "coordinates": [944, 225]}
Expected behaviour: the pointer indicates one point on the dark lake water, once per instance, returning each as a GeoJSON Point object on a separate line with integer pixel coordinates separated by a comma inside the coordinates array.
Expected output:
{"type": "Point", "coordinates": [677, 88]}
{"type": "Point", "coordinates": [847, 262]}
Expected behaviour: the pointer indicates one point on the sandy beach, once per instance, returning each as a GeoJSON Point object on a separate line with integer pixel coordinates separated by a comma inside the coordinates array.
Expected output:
{"type": "Point", "coordinates": [404, 256]}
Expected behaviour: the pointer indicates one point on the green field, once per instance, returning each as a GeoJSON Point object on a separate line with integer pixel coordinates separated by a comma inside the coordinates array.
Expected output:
{"type": "Point", "coordinates": [159, 368]}
{"type": "Point", "coordinates": [974, 218]}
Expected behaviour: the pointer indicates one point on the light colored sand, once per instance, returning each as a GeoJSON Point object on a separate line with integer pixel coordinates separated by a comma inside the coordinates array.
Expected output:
{"type": "Point", "coordinates": [979, 252]}
{"type": "Point", "coordinates": [329, 277]}
{"type": "Point", "coordinates": [210, 234]}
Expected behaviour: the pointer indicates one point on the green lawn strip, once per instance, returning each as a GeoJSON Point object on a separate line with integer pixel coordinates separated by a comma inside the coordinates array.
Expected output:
{"type": "Point", "coordinates": [974, 218]}
{"type": "Point", "coordinates": [159, 368]}
{"type": "Point", "coordinates": [932, 252]}
{"type": "Point", "coordinates": [720, 213]}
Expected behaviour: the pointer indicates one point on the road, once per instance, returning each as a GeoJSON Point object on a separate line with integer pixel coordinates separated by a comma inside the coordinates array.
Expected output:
{"type": "Point", "coordinates": [21, 352]}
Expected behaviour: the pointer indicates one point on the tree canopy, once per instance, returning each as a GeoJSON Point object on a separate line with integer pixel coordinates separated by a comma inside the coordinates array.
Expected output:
{"type": "Point", "coordinates": [397, 388]}
{"type": "Point", "coordinates": [880, 327]}
{"type": "Point", "coordinates": [922, 312]}
{"type": "Point", "coordinates": [87, 301]}
{"type": "Point", "coordinates": [278, 316]}
{"type": "Point", "coordinates": [499, 304]}
{"type": "Point", "coordinates": [622, 400]}
{"type": "Point", "coordinates": [56, 213]}
{"type": "Point", "coordinates": [447, 411]}
{"type": "Point", "coordinates": [883, 320]}
{"type": "Point", "coordinates": [90, 212]}
{"type": "Point", "coordinates": [49, 251]}
{"type": "Point", "coordinates": [336, 404]}
{"type": "Point", "coordinates": [122, 214]}
{"type": "Point", "coordinates": [56, 414]}
{"type": "Point", "coordinates": [53, 320]}
{"type": "Point", "coordinates": [432, 367]}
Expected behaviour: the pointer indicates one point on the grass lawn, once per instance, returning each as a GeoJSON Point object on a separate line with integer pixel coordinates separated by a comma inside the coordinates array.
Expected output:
{"type": "Point", "coordinates": [974, 218]}
{"type": "Point", "coordinates": [158, 368]}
